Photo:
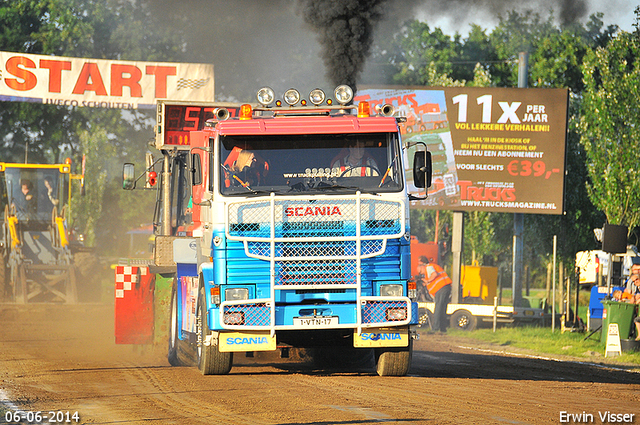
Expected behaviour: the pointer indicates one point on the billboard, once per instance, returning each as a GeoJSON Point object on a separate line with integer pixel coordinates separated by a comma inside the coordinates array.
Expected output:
{"type": "Point", "coordinates": [101, 83]}
{"type": "Point", "coordinates": [493, 149]}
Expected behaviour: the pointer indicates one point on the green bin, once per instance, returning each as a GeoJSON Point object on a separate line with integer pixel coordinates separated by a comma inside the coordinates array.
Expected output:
{"type": "Point", "coordinates": [617, 312]}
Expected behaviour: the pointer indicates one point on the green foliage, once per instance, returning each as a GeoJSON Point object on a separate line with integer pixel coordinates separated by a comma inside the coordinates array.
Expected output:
{"type": "Point", "coordinates": [87, 210]}
{"type": "Point", "coordinates": [541, 341]}
{"type": "Point", "coordinates": [610, 126]}
{"type": "Point", "coordinates": [103, 29]}
{"type": "Point", "coordinates": [480, 238]}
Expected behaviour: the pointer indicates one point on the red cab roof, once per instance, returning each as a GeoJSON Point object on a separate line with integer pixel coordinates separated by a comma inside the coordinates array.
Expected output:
{"type": "Point", "coordinates": [336, 124]}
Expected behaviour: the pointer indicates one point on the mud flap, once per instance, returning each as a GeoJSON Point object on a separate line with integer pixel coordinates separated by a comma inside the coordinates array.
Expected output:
{"type": "Point", "coordinates": [381, 337]}
{"type": "Point", "coordinates": [134, 307]}
{"type": "Point", "coordinates": [246, 341]}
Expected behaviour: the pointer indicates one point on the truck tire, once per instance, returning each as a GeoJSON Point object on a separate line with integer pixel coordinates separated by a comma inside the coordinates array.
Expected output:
{"type": "Point", "coordinates": [177, 352]}
{"type": "Point", "coordinates": [210, 360]}
{"type": "Point", "coordinates": [463, 320]}
{"type": "Point", "coordinates": [394, 361]}
{"type": "Point", "coordinates": [425, 318]}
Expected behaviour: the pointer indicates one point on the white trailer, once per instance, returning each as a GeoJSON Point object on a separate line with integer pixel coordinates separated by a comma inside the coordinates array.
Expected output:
{"type": "Point", "coordinates": [469, 316]}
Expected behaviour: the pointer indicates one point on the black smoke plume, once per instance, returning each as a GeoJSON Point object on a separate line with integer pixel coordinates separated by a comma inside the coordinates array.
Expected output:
{"type": "Point", "coordinates": [345, 30]}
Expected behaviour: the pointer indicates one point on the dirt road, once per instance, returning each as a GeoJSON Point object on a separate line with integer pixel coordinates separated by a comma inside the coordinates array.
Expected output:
{"type": "Point", "coordinates": [63, 359]}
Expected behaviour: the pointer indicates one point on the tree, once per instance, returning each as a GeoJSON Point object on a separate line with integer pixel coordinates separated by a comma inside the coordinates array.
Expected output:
{"type": "Point", "coordinates": [102, 29]}
{"type": "Point", "coordinates": [610, 126]}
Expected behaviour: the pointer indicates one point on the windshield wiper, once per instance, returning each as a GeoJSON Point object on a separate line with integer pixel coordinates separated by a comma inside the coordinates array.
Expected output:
{"type": "Point", "coordinates": [256, 192]}
{"type": "Point", "coordinates": [238, 179]}
{"type": "Point", "coordinates": [388, 171]}
{"type": "Point", "coordinates": [341, 187]}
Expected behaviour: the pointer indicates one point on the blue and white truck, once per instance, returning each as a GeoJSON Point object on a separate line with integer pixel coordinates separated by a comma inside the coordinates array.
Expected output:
{"type": "Point", "coordinates": [298, 234]}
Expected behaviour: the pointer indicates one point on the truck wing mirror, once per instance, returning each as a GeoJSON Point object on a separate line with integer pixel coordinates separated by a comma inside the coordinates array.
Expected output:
{"type": "Point", "coordinates": [128, 176]}
{"type": "Point", "coordinates": [422, 169]}
{"type": "Point", "coordinates": [196, 169]}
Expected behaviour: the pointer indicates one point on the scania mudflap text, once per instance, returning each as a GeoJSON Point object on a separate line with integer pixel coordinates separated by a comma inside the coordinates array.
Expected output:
{"type": "Point", "coordinates": [300, 235]}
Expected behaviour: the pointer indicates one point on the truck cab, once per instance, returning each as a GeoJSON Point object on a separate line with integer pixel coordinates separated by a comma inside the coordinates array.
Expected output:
{"type": "Point", "coordinates": [302, 237]}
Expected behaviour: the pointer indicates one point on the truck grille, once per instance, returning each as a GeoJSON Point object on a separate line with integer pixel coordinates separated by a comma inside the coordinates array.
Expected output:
{"type": "Point", "coordinates": [317, 241]}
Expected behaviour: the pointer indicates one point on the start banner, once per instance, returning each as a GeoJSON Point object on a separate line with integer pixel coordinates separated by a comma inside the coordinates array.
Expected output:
{"type": "Point", "coordinates": [101, 83]}
{"type": "Point", "coordinates": [493, 149]}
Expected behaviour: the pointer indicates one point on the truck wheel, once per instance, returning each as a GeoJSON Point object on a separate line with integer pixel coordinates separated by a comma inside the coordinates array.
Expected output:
{"type": "Point", "coordinates": [425, 318]}
{"type": "Point", "coordinates": [176, 353]}
{"type": "Point", "coordinates": [394, 361]}
{"type": "Point", "coordinates": [463, 320]}
{"type": "Point", "coordinates": [210, 360]}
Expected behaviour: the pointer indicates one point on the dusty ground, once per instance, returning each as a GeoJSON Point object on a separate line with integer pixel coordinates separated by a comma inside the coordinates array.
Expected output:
{"type": "Point", "coordinates": [61, 358]}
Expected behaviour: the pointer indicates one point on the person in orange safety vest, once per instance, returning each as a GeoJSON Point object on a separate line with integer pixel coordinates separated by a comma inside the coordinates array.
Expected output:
{"type": "Point", "coordinates": [438, 285]}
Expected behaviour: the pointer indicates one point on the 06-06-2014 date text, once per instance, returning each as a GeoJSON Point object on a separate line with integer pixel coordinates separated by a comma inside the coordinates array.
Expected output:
{"type": "Point", "coordinates": [41, 417]}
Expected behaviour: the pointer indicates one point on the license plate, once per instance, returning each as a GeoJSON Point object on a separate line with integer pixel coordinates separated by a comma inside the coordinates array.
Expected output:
{"type": "Point", "coordinates": [528, 313]}
{"type": "Point", "coordinates": [315, 321]}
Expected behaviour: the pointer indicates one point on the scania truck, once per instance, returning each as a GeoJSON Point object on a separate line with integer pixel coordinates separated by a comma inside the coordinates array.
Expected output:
{"type": "Point", "coordinates": [298, 233]}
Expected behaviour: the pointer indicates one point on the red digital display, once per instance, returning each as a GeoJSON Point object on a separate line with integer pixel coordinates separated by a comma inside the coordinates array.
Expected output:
{"type": "Point", "coordinates": [179, 120]}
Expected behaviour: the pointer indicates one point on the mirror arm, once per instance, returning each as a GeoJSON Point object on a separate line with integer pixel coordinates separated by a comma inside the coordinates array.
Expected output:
{"type": "Point", "coordinates": [144, 173]}
{"type": "Point", "coordinates": [206, 203]}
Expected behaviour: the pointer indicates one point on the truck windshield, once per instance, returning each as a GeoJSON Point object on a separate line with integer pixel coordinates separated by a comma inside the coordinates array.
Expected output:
{"type": "Point", "coordinates": [295, 164]}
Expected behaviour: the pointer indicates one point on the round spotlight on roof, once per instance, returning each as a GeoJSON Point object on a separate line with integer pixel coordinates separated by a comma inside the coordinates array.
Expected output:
{"type": "Point", "coordinates": [265, 96]}
{"type": "Point", "coordinates": [291, 97]}
{"type": "Point", "coordinates": [343, 94]}
{"type": "Point", "coordinates": [317, 96]}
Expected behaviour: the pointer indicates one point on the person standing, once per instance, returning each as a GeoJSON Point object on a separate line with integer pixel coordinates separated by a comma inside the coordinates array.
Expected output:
{"type": "Point", "coordinates": [439, 287]}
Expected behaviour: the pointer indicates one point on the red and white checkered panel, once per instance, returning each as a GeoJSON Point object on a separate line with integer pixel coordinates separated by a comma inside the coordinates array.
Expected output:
{"type": "Point", "coordinates": [134, 309]}
{"type": "Point", "coordinates": [126, 276]}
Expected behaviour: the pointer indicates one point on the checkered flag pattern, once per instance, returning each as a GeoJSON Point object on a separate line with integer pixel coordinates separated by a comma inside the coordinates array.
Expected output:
{"type": "Point", "coordinates": [126, 276]}
{"type": "Point", "coordinates": [186, 83]}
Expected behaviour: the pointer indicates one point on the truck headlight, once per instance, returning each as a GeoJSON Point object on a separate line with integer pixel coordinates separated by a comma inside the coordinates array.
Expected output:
{"type": "Point", "coordinates": [234, 318]}
{"type": "Point", "coordinates": [396, 314]}
{"type": "Point", "coordinates": [236, 294]}
{"type": "Point", "coordinates": [391, 290]}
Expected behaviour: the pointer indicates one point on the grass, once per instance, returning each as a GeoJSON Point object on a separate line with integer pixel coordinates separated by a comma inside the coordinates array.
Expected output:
{"type": "Point", "coordinates": [542, 341]}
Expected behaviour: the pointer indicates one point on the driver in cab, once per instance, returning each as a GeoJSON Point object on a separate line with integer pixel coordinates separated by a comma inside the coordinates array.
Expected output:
{"type": "Point", "coordinates": [245, 168]}
{"type": "Point", "coordinates": [354, 162]}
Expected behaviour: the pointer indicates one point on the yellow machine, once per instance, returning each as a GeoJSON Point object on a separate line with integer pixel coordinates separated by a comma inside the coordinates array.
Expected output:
{"type": "Point", "coordinates": [479, 282]}
{"type": "Point", "coordinates": [37, 262]}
